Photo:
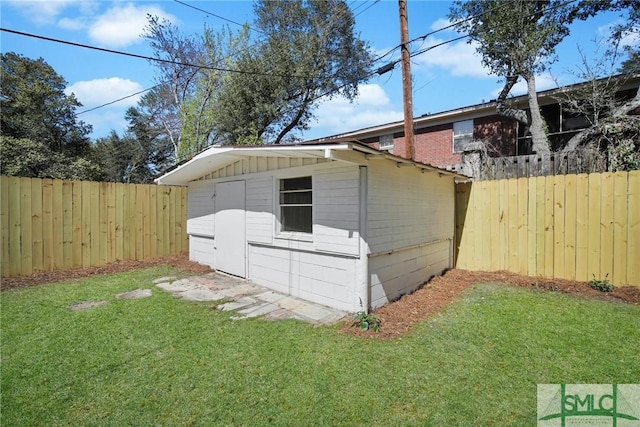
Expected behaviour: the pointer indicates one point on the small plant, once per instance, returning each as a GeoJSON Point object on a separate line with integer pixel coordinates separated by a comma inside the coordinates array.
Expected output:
{"type": "Point", "coordinates": [602, 285]}
{"type": "Point", "coordinates": [366, 321]}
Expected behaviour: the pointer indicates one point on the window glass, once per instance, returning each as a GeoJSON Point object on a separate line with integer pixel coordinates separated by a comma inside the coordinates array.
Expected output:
{"type": "Point", "coordinates": [462, 134]}
{"type": "Point", "coordinates": [296, 205]}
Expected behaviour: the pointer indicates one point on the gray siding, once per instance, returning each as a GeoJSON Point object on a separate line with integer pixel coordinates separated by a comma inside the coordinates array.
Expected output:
{"type": "Point", "coordinates": [410, 229]}
{"type": "Point", "coordinates": [321, 278]}
{"type": "Point", "coordinates": [200, 208]}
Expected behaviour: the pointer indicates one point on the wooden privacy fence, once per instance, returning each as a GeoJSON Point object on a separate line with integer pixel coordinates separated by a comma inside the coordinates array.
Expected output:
{"type": "Point", "coordinates": [57, 225]}
{"type": "Point", "coordinates": [573, 227]}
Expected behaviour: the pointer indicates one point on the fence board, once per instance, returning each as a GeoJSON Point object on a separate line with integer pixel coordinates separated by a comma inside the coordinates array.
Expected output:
{"type": "Point", "coordinates": [633, 239]}
{"type": "Point", "coordinates": [172, 220]}
{"type": "Point", "coordinates": [153, 219]}
{"type": "Point", "coordinates": [582, 226]}
{"type": "Point", "coordinates": [86, 224]}
{"type": "Point", "coordinates": [558, 226]}
{"type": "Point", "coordinates": [606, 226]}
{"type": "Point", "coordinates": [120, 220]}
{"type": "Point", "coordinates": [593, 260]}
{"type": "Point", "coordinates": [512, 219]}
{"type": "Point", "coordinates": [4, 225]}
{"type": "Point", "coordinates": [139, 222]}
{"type": "Point", "coordinates": [540, 224]}
{"type": "Point", "coordinates": [76, 214]}
{"type": "Point", "coordinates": [532, 192]}
{"type": "Point", "coordinates": [67, 224]}
{"type": "Point", "coordinates": [47, 225]}
{"type": "Point", "coordinates": [15, 252]}
{"type": "Point", "coordinates": [496, 250]}
{"type": "Point", "coordinates": [523, 246]}
{"type": "Point", "coordinates": [570, 227]}
{"type": "Point", "coordinates": [56, 212]}
{"type": "Point", "coordinates": [620, 228]}
{"type": "Point", "coordinates": [548, 226]}
{"type": "Point", "coordinates": [26, 258]}
{"type": "Point", "coordinates": [103, 223]}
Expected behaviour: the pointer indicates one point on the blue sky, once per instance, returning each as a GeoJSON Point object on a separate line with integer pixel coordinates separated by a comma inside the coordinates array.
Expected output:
{"type": "Point", "coordinates": [447, 77]}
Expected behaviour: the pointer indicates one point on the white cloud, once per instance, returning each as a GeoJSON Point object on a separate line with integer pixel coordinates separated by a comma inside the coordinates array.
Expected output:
{"type": "Point", "coordinates": [441, 23]}
{"type": "Point", "coordinates": [629, 38]}
{"type": "Point", "coordinates": [42, 11]}
{"type": "Point", "coordinates": [371, 107]}
{"type": "Point", "coordinates": [122, 25]}
{"type": "Point", "coordinates": [93, 93]}
{"type": "Point", "coordinates": [460, 59]}
{"type": "Point", "coordinates": [72, 24]}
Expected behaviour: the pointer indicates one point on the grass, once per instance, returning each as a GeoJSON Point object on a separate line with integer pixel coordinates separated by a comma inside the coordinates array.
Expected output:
{"type": "Point", "coordinates": [165, 361]}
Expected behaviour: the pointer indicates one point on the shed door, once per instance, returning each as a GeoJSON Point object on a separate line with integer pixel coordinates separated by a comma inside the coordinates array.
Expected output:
{"type": "Point", "coordinates": [229, 226]}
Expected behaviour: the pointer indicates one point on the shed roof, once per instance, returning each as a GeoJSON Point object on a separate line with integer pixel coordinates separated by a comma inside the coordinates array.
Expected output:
{"type": "Point", "coordinates": [217, 157]}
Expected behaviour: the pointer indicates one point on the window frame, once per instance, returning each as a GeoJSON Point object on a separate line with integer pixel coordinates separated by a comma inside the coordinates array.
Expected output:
{"type": "Point", "coordinates": [281, 231]}
{"type": "Point", "coordinates": [462, 137]}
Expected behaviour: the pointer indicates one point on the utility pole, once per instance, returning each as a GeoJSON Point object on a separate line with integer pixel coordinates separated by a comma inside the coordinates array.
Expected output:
{"type": "Point", "coordinates": [406, 81]}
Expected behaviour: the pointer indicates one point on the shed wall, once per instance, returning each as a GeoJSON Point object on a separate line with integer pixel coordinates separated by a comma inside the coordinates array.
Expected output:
{"type": "Point", "coordinates": [320, 267]}
{"type": "Point", "coordinates": [410, 229]}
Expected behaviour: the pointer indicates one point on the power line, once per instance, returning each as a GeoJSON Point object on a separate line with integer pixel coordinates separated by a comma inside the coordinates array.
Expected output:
{"type": "Point", "coordinates": [218, 16]}
{"type": "Point", "coordinates": [118, 100]}
{"type": "Point", "coordinates": [149, 58]}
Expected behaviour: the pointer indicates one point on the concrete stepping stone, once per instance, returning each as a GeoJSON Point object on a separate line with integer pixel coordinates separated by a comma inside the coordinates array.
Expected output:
{"type": "Point", "coordinates": [180, 286]}
{"type": "Point", "coordinates": [164, 279]}
{"type": "Point", "coordinates": [86, 305]}
{"type": "Point", "coordinates": [235, 305]}
{"type": "Point", "coordinates": [270, 296]}
{"type": "Point", "coordinates": [312, 312]}
{"type": "Point", "coordinates": [136, 294]}
{"type": "Point", "coordinates": [257, 310]}
{"type": "Point", "coordinates": [201, 295]}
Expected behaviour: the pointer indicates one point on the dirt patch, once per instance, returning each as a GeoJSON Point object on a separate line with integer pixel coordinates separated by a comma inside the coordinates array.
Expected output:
{"type": "Point", "coordinates": [180, 262]}
{"type": "Point", "coordinates": [399, 316]}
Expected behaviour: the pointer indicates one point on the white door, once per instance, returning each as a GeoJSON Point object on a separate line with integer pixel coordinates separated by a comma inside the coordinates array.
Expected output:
{"type": "Point", "coordinates": [229, 228]}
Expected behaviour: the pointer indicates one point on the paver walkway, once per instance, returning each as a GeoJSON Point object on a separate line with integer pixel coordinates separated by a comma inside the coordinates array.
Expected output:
{"type": "Point", "coordinates": [248, 299]}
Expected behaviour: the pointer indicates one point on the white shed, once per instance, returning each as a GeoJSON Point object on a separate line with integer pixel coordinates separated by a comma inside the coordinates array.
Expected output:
{"type": "Point", "coordinates": [336, 223]}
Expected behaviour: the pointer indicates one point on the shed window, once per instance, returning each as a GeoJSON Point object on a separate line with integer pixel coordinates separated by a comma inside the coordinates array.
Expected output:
{"type": "Point", "coordinates": [462, 135]}
{"type": "Point", "coordinates": [295, 205]}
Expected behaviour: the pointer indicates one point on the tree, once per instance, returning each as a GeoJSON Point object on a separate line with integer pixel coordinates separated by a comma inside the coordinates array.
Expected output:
{"type": "Point", "coordinates": [614, 131]}
{"type": "Point", "coordinates": [39, 131]}
{"type": "Point", "coordinates": [310, 49]}
{"type": "Point", "coordinates": [517, 39]}
{"type": "Point", "coordinates": [249, 94]}
{"type": "Point", "coordinates": [181, 103]}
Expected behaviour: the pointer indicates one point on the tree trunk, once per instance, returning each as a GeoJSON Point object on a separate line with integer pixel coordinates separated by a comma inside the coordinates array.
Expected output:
{"type": "Point", "coordinates": [505, 110]}
{"type": "Point", "coordinates": [540, 144]}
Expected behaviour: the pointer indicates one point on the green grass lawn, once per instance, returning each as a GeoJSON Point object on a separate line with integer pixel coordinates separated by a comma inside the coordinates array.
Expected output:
{"type": "Point", "coordinates": [165, 361]}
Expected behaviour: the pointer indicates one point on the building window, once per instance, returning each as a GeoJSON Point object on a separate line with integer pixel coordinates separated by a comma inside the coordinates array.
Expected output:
{"type": "Point", "coordinates": [295, 205]}
{"type": "Point", "coordinates": [462, 135]}
{"type": "Point", "coordinates": [386, 142]}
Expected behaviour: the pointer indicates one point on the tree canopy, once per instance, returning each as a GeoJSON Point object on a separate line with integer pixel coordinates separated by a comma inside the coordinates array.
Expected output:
{"type": "Point", "coordinates": [39, 131]}
{"type": "Point", "coordinates": [252, 91]}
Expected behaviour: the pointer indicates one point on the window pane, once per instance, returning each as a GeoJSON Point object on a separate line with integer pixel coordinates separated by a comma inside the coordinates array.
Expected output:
{"type": "Point", "coordinates": [464, 127]}
{"type": "Point", "coordinates": [301, 198]}
{"type": "Point", "coordinates": [296, 218]}
{"type": "Point", "coordinates": [302, 183]}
